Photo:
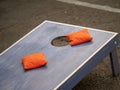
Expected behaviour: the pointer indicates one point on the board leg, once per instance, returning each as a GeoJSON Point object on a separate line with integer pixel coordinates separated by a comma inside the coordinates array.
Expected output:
{"type": "Point", "coordinates": [114, 63]}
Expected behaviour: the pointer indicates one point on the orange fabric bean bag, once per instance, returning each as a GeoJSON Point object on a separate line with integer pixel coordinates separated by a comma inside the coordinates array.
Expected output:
{"type": "Point", "coordinates": [34, 61]}
{"type": "Point", "coordinates": [79, 37]}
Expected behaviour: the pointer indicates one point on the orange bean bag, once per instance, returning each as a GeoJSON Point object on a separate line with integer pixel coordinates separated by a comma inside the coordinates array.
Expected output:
{"type": "Point", "coordinates": [79, 37]}
{"type": "Point", "coordinates": [34, 61]}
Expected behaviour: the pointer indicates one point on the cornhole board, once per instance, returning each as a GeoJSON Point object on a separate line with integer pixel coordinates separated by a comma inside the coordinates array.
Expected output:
{"type": "Point", "coordinates": [67, 65]}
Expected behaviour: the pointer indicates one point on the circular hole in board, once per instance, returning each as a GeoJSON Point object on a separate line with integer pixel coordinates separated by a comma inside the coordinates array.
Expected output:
{"type": "Point", "coordinates": [60, 41]}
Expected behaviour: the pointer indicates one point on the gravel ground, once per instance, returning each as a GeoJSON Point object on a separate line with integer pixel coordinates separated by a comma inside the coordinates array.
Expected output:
{"type": "Point", "coordinates": [18, 17]}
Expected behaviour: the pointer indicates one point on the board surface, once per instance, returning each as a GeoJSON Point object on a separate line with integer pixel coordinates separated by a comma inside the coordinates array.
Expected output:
{"type": "Point", "coordinates": [62, 61]}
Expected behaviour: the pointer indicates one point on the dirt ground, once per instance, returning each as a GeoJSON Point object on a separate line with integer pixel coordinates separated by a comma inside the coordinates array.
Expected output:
{"type": "Point", "coordinates": [18, 17]}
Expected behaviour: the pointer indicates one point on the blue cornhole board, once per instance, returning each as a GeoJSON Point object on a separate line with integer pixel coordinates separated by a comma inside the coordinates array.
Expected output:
{"type": "Point", "coordinates": [67, 65]}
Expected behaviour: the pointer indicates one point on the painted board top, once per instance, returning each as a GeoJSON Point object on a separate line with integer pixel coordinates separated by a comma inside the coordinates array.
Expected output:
{"type": "Point", "coordinates": [63, 61]}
